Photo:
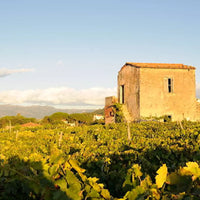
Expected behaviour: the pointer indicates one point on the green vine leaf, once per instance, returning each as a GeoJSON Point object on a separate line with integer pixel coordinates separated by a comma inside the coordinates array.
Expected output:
{"type": "Point", "coordinates": [162, 176]}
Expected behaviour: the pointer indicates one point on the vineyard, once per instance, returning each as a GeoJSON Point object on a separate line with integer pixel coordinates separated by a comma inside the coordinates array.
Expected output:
{"type": "Point", "coordinates": [161, 161]}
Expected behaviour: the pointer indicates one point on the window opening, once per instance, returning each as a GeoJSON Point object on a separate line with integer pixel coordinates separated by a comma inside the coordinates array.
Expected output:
{"type": "Point", "coordinates": [122, 94]}
{"type": "Point", "coordinates": [169, 85]}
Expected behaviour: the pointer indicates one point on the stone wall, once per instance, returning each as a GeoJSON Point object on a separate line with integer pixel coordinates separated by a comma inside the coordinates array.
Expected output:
{"type": "Point", "coordinates": [130, 77]}
{"type": "Point", "coordinates": [146, 92]}
{"type": "Point", "coordinates": [198, 110]}
{"type": "Point", "coordinates": [109, 111]}
{"type": "Point", "coordinates": [156, 100]}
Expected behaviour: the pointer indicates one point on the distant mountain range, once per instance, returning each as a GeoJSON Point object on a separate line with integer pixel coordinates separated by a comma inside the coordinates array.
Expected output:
{"type": "Point", "coordinates": [36, 111]}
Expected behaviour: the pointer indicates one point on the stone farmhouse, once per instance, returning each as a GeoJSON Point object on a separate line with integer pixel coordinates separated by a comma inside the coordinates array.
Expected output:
{"type": "Point", "coordinates": [148, 90]}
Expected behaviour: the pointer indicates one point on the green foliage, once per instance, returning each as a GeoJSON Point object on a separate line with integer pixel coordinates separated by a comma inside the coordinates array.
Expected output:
{"type": "Point", "coordinates": [166, 118]}
{"type": "Point", "coordinates": [14, 120]}
{"type": "Point", "coordinates": [162, 176]}
{"type": "Point", "coordinates": [59, 118]}
{"type": "Point", "coordinates": [85, 118]}
{"type": "Point", "coordinates": [98, 162]}
{"type": "Point", "coordinates": [55, 118]}
{"type": "Point", "coordinates": [99, 121]}
{"type": "Point", "coordinates": [99, 112]}
{"type": "Point", "coordinates": [119, 118]}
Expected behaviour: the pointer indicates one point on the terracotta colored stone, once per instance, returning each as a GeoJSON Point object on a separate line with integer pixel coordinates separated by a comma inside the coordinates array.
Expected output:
{"type": "Point", "coordinates": [109, 109]}
{"type": "Point", "coordinates": [30, 124]}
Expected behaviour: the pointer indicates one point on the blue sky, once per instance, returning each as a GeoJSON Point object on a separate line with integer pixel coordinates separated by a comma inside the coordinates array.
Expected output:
{"type": "Point", "coordinates": [67, 53]}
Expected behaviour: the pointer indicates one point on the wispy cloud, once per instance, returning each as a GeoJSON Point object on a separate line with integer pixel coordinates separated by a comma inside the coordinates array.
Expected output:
{"type": "Point", "coordinates": [62, 96]}
{"type": "Point", "coordinates": [6, 72]}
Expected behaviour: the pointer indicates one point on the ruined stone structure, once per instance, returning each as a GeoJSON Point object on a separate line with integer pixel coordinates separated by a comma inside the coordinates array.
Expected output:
{"type": "Point", "coordinates": [155, 90]}
{"type": "Point", "coordinates": [109, 109]}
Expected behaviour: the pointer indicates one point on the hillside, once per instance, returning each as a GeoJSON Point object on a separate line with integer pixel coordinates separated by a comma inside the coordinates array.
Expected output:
{"type": "Point", "coordinates": [35, 111]}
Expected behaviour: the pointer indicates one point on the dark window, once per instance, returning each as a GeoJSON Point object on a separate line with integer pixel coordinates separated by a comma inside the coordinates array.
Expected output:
{"type": "Point", "coordinates": [169, 85]}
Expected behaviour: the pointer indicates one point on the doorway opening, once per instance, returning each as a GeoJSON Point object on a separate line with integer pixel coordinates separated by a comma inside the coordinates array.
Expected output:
{"type": "Point", "coordinates": [121, 94]}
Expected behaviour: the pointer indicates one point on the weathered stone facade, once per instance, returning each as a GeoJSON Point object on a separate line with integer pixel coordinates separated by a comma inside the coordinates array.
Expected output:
{"type": "Point", "coordinates": [109, 109]}
{"type": "Point", "coordinates": [155, 90]}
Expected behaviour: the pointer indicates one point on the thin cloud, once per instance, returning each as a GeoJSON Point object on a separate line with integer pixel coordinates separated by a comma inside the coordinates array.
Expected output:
{"type": "Point", "coordinates": [62, 96]}
{"type": "Point", "coordinates": [6, 72]}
